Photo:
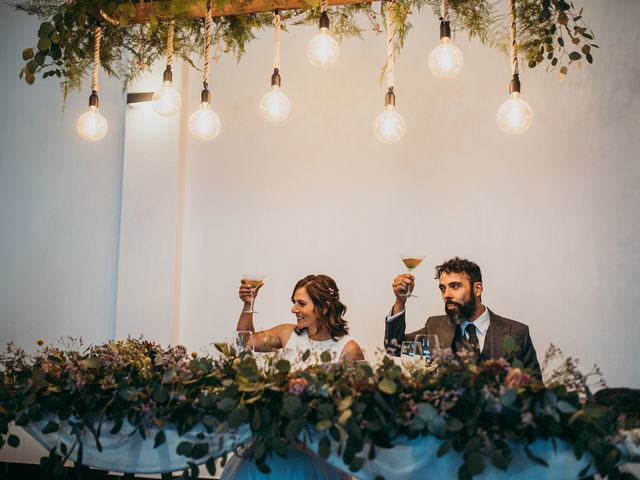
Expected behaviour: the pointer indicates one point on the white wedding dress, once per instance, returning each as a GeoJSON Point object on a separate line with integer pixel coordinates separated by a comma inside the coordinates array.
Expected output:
{"type": "Point", "coordinates": [300, 464]}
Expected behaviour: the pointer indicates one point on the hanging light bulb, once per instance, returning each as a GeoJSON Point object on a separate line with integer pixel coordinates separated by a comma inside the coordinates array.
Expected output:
{"type": "Point", "coordinates": [446, 60]}
{"type": "Point", "coordinates": [91, 125]}
{"type": "Point", "coordinates": [515, 115]}
{"type": "Point", "coordinates": [323, 50]}
{"type": "Point", "coordinates": [274, 105]}
{"type": "Point", "coordinates": [389, 126]}
{"type": "Point", "coordinates": [166, 100]}
{"type": "Point", "coordinates": [204, 123]}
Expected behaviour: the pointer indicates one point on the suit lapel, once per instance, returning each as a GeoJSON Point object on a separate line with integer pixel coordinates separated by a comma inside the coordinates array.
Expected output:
{"type": "Point", "coordinates": [445, 331]}
{"type": "Point", "coordinates": [494, 339]}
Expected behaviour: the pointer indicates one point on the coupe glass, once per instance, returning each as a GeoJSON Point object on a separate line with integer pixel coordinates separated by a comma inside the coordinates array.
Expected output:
{"type": "Point", "coordinates": [254, 282]}
{"type": "Point", "coordinates": [411, 260]}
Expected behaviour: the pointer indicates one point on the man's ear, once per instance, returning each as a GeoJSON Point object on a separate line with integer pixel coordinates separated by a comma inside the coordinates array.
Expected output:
{"type": "Point", "coordinates": [477, 289]}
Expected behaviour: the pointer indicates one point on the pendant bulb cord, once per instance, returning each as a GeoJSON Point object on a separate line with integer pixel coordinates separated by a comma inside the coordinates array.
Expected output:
{"type": "Point", "coordinates": [512, 37]}
{"type": "Point", "coordinates": [207, 46]}
{"type": "Point", "coordinates": [390, 53]}
{"type": "Point", "coordinates": [277, 24]}
{"type": "Point", "coordinates": [444, 11]}
{"type": "Point", "coordinates": [323, 6]}
{"type": "Point", "coordinates": [96, 58]}
{"type": "Point", "coordinates": [170, 44]}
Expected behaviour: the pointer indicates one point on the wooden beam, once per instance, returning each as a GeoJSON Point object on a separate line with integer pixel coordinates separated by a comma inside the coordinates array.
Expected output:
{"type": "Point", "coordinates": [241, 7]}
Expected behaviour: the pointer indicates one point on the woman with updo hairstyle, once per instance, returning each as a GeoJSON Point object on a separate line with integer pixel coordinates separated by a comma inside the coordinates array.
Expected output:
{"type": "Point", "coordinates": [320, 325]}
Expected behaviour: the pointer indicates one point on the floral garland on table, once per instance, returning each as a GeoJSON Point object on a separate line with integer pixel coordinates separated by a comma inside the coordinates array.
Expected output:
{"type": "Point", "coordinates": [478, 410]}
{"type": "Point", "coordinates": [550, 31]}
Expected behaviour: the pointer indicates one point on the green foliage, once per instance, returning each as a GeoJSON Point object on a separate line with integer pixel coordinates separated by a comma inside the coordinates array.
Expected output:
{"type": "Point", "coordinates": [549, 31]}
{"type": "Point", "coordinates": [479, 411]}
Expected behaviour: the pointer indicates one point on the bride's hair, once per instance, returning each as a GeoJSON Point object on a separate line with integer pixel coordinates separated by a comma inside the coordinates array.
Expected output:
{"type": "Point", "coordinates": [324, 294]}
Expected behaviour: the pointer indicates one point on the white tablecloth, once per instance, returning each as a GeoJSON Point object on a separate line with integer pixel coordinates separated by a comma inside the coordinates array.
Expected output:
{"type": "Point", "coordinates": [128, 452]}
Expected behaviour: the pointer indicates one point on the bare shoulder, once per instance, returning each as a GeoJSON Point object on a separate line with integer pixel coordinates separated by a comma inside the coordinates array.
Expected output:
{"type": "Point", "coordinates": [284, 331]}
{"type": "Point", "coordinates": [352, 351]}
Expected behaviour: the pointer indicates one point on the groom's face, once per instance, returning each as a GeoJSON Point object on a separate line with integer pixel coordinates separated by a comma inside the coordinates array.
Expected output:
{"type": "Point", "coordinates": [460, 299]}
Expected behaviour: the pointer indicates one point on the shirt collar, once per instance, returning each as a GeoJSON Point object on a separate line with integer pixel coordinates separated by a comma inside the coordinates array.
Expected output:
{"type": "Point", "coordinates": [481, 323]}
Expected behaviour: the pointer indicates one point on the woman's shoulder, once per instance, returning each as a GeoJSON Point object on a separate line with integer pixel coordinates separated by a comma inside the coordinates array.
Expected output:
{"type": "Point", "coordinates": [284, 331]}
{"type": "Point", "coordinates": [351, 350]}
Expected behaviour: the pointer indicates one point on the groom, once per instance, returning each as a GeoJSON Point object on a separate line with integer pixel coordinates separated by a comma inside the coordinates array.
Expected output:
{"type": "Point", "coordinates": [468, 324]}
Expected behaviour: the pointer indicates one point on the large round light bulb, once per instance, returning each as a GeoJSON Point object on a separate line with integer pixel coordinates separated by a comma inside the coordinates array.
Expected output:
{"type": "Point", "coordinates": [446, 60]}
{"type": "Point", "coordinates": [204, 123]}
{"type": "Point", "coordinates": [389, 126]}
{"type": "Point", "coordinates": [275, 105]}
{"type": "Point", "coordinates": [515, 115]}
{"type": "Point", "coordinates": [91, 125]}
{"type": "Point", "coordinates": [323, 50]}
{"type": "Point", "coordinates": [166, 101]}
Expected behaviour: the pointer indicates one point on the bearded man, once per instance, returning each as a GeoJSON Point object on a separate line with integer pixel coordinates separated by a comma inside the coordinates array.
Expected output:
{"type": "Point", "coordinates": [468, 324]}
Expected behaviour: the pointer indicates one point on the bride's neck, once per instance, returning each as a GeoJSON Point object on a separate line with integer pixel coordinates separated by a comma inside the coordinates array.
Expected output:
{"type": "Point", "coordinates": [319, 335]}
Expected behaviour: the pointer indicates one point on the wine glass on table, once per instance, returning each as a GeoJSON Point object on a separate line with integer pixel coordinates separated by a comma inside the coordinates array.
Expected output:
{"type": "Point", "coordinates": [411, 260]}
{"type": "Point", "coordinates": [244, 341]}
{"type": "Point", "coordinates": [254, 282]}
{"type": "Point", "coordinates": [410, 354]}
{"type": "Point", "coordinates": [430, 349]}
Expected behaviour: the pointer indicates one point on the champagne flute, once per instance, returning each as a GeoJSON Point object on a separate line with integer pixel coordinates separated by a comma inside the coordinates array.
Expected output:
{"type": "Point", "coordinates": [411, 261]}
{"type": "Point", "coordinates": [430, 348]}
{"type": "Point", "coordinates": [254, 282]}
{"type": "Point", "coordinates": [410, 354]}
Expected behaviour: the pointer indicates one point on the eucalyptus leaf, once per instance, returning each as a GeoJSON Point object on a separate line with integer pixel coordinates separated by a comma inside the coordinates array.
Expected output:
{"type": "Point", "coordinates": [324, 448]}
{"type": "Point", "coordinates": [159, 439]}
{"type": "Point", "coordinates": [44, 44]}
{"type": "Point", "coordinates": [13, 441]}
{"type": "Point", "coordinates": [387, 386]}
{"type": "Point", "coordinates": [509, 345]}
{"type": "Point", "coordinates": [27, 54]}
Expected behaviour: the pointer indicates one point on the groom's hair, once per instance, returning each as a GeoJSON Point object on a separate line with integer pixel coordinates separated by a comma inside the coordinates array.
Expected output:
{"type": "Point", "coordinates": [324, 294]}
{"type": "Point", "coordinates": [461, 265]}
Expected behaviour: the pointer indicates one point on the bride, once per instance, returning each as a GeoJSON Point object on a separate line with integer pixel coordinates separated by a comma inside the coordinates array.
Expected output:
{"type": "Point", "coordinates": [320, 326]}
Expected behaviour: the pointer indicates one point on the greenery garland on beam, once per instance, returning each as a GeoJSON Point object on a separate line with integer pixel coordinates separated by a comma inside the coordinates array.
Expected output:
{"type": "Point", "coordinates": [551, 32]}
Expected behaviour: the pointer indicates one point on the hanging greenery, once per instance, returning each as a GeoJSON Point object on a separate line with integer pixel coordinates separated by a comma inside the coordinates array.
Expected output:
{"type": "Point", "coordinates": [550, 32]}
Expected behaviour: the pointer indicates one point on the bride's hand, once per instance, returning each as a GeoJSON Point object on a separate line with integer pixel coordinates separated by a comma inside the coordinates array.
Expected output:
{"type": "Point", "coordinates": [244, 292]}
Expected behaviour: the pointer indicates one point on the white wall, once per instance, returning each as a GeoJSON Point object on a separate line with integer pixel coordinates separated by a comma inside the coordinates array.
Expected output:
{"type": "Point", "coordinates": [551, 216]}
{"type": "Point", "coordinates": [150, 231]}
{"type": "Point", "coordinates": [59, 203]}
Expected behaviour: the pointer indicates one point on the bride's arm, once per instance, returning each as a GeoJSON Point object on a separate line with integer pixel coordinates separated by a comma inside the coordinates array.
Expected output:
{"type": "Point", "coordinates": [351, 352]}
{"type": "Point", "coordinates": [272, 338]}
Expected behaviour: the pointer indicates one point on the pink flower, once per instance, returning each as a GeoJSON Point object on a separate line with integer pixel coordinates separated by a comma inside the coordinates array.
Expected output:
{"type": "Point", "coordinates": [517, 378]}
{"type": "Point", "coordinates": [297, 386]}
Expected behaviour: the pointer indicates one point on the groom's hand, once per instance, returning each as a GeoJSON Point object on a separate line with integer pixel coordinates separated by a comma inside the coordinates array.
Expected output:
{"type": "Point", "coordinates": [402, 285]}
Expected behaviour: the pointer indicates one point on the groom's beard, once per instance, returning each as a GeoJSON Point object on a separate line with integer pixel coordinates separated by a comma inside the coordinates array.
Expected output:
{"type": "Point", "coordinates": [463, 312]}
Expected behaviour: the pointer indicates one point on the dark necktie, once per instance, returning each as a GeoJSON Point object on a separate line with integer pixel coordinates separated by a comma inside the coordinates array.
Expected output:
{"type": "Point", "coordinates": [474, 344]}
{"type": "Point", "coordinates": [460, 342]}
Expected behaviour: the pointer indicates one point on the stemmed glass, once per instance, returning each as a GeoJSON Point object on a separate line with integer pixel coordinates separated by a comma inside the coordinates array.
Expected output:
{"type": "Point", "coordinates": [430, 349]}
{"type": "Point", "coordinates": [411, 261]}
{"type": "Point", "coordinates": [244, 341]}
{"type": "Point", "coordinates": [410, 354]}
{"type": "Point", "coordinates": [254, 282]}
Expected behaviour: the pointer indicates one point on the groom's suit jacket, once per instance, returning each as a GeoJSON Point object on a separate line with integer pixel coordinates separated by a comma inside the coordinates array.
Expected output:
{"type": "Point", "coordinates": [499, 328]}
